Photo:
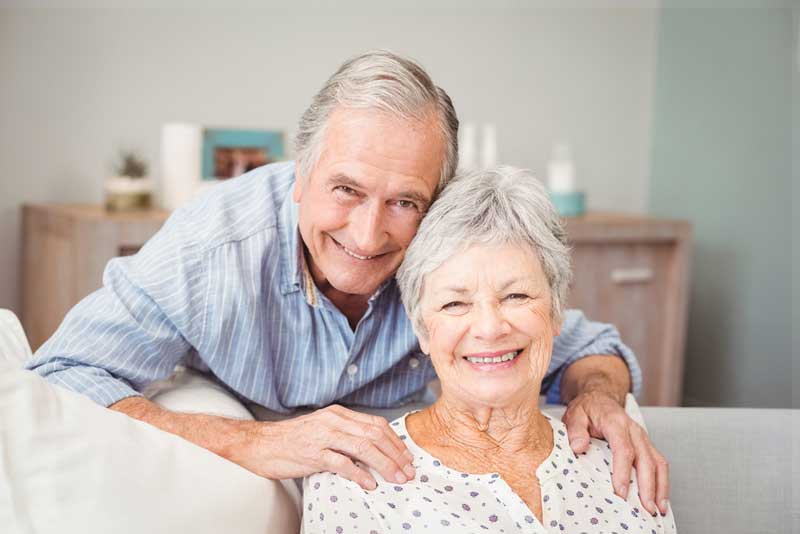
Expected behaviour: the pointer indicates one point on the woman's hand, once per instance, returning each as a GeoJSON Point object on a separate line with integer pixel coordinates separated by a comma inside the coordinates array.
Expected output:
{"type": "Point", "coordinates": [599, 415]}
{"type": "Point", "coordinates": [330, 439]}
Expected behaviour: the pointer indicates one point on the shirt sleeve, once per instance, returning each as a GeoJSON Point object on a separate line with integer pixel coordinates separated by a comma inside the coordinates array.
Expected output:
{"type": "Point", "coordinates": [579, 338]}
{"type": "Point", "coordinates": [333, 505]}
{"type": "Point", "coordinates": [134, 329]}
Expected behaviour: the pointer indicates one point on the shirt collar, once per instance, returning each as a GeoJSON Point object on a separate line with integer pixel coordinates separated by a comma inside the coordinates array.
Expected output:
{"type": "Point", "coordinates": [294, 273]}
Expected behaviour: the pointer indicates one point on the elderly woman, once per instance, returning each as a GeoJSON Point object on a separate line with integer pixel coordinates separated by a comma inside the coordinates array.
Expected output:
{"type": "Point", "coordinates": [484, 283]}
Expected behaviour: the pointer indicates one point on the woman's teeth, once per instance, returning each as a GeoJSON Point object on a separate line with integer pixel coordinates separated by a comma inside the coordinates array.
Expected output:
{"type": "Point", "coordinates": [496, 359]}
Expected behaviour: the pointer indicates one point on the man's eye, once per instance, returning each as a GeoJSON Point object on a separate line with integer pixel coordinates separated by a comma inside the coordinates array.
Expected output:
{"type": "Point", "coordinates": [345, 190]}
{"type": "Point", "coordinates": [407, 204]}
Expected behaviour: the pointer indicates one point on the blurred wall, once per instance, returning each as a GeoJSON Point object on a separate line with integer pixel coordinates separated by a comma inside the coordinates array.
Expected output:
{"type": "Point", "coordinates": [78, 85]}
{"type": "Point", "coordinates": [796, 212]}
{"type": "Point", "coordinates": [722, 159]}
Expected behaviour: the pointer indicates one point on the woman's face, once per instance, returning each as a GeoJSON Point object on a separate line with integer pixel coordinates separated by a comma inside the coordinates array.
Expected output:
{"type": "Point", "coordinates": [489, 302]}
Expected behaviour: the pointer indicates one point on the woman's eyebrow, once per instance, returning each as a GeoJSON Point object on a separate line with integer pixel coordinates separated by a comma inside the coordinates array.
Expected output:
{"type": "Point", "coordinates": [460, 290]}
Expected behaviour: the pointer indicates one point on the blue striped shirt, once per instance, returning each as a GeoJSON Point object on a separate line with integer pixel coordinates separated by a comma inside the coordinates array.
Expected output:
{"type": "Point", "coordinates": [223, 287]}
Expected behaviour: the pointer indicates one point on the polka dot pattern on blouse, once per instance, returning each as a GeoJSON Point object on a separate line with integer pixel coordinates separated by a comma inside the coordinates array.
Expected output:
{"type": "Point", "coordinates": [577, 497]}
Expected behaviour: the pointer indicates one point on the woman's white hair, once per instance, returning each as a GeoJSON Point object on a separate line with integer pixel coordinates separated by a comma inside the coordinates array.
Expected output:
{"type": "Point", "coordinates": [489, 207]}
{"type": "Point", "coordinates": [385, 82]}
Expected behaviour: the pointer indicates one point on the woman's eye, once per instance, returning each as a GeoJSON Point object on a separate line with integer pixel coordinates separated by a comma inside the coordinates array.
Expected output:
{"type": "Point", "coordinates": [517, 296]}
{"type": "Point", "coordinates": [453, 305]}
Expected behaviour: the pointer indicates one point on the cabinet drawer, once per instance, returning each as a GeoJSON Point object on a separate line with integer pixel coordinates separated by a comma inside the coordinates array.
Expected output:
{"type": "Point", "coordinates": [628, 285]}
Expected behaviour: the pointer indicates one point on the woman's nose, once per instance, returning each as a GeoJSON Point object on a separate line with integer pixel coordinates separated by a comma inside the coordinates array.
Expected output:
{"type": "Point", "coordinates": [489, 322]}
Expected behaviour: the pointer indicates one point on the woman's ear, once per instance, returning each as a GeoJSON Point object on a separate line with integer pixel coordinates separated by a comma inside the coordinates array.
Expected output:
{"type": "Point", "coordinates": [557, 328]}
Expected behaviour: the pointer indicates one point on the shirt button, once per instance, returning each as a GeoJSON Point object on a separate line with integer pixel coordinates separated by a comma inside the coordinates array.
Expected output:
{"type": "Point", "coordinates": [413, 363]}
{"type": "Point", "coordinates": [352, 369]}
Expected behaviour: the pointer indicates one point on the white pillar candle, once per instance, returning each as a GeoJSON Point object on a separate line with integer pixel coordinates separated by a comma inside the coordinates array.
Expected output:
{"type": "Point", "coordinates": [181, 146]}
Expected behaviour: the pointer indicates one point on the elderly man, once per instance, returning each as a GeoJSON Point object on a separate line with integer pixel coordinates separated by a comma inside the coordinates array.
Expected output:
{"type": "Point", "coordinates": [281, 285]}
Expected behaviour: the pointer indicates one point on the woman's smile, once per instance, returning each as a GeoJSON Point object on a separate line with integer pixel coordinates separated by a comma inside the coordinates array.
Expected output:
{"type": "Point", "coordinates": [493, 361]}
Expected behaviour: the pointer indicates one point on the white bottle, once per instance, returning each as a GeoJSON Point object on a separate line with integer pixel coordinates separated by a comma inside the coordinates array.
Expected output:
{"type": "Point", "coordinates": [467, 147]}
{"type": "Point", "coordinates": [560, 170]}
{"type": "Point", "coordinates": [489, 146]}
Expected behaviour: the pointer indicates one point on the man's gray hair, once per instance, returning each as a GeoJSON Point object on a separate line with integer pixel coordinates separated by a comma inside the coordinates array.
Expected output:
{"type": "Point", "coordinates": [489, 207]}
{"type": "Point", "coordinates": [386, 82]}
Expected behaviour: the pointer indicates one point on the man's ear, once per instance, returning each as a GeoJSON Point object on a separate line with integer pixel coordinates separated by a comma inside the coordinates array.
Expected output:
{"type": "Point", "coordinates": [297, 190]}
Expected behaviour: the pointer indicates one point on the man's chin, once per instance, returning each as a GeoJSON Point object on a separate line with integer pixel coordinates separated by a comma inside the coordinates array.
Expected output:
{"type": "Point", "coordinates": [356, 288]}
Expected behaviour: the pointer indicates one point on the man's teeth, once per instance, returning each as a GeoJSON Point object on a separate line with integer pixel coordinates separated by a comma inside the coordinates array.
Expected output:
{"type": "Point", "coordinates": [356, 255]}
{"type": "Point", "coordinates": [496, 359]}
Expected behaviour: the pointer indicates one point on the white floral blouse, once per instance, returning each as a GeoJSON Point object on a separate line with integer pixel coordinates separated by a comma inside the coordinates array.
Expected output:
{"type": "Point", "coordinates": [577, 496]}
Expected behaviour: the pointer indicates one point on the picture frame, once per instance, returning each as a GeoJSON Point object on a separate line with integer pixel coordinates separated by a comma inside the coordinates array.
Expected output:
{"type": "Point", "coordinates": [228, 153]}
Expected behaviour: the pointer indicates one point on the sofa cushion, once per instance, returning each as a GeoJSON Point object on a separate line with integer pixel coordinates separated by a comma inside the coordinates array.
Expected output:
{"type": "Point", "coordinates": [69, 465]}
{"type": "Point", "coordinates": [14, 348]}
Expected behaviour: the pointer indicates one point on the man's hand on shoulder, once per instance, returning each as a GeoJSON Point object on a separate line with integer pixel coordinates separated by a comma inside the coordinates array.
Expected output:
{"type": "Point", "coordinates": [596, 392]}
{"type": "Point", "coordinates": [332, 439]}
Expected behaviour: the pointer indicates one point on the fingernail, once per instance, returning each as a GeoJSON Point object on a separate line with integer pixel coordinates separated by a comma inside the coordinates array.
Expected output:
{"type": "Point", "coordinates": [400, 478]}
{"type": "Point", "coordinates": [409, 471]}
{"type": "Point", "coordinates": [664, 506]}
{"type": "Point", "coordinates": [370, 484]}
{"type": "Point", "coordinates": [623, 492]}
{"type": "Point", "coordinates": [652, 505]}
{"type": "Point", "coordinates": [577, 443]}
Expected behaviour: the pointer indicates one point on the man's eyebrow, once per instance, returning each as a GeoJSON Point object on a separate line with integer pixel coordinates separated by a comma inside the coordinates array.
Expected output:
{"type": "Point", "coordinates": [415, 195]}
{"type": "Point", "coordinates": [343, 179]}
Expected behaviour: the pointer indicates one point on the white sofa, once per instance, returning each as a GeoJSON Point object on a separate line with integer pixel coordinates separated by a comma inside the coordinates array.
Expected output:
{"type": "Point", "coordinates": [68, 465]}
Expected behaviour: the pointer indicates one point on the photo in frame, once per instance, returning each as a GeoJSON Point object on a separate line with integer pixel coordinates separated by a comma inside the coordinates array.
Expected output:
{"type": "Point", "coordinates": [228, 153]}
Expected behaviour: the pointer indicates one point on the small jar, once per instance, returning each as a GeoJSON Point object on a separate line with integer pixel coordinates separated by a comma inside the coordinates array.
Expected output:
{"type": "Point", "coordinates": [124, 193]}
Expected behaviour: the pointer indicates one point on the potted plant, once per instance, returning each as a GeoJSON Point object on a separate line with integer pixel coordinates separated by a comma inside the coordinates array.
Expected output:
{"type": "Point", "coordinates": [130, 188]}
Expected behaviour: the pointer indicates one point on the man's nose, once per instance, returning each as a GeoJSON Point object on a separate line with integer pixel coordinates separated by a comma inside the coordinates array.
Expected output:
{"type": "Point", "coordinates": [488, 322]}
{"type": "Point", "coordinates": [367, 228]}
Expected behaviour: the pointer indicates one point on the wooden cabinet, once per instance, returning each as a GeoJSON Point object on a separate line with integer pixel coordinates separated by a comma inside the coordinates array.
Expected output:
{"type": "Point", "coordinates": [65, 249]}
{"type": "Point", "coordinates": [634, 272]}
{"type": "Point", "coordinates": [629, 271]}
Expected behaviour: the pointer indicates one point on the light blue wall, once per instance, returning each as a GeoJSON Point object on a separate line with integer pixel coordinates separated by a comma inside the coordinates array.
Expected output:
{"type": "Point", "coordinates": [722, 159]}
{"type": "Point", "coordinates": [796, 212]}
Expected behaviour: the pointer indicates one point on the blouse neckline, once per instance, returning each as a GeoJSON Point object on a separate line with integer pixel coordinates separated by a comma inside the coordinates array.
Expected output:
{"type": "Point", "coordinates": [557, 462]}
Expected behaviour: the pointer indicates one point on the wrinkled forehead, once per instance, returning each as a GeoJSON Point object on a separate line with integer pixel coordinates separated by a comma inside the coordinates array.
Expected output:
{"type": "Point", "coordinates": [485, 267]}
{"type": "Point", "coordinates": [368, 144]}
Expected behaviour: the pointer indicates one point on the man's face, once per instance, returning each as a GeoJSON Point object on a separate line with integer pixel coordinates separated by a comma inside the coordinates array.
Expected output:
{"type": "Point", "coordinates": [362, 203]}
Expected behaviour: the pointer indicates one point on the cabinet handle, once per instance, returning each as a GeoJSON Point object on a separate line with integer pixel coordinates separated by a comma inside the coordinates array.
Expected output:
{"type": "Point", "coordinates": [635, 275]}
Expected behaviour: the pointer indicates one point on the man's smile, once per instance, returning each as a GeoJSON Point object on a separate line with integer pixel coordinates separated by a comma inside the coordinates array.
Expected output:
{"type": "Point", "coordinates": [355, 254]}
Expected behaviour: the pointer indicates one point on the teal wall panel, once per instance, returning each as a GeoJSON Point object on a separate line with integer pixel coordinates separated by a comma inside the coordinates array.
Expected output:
{"type": "Point", "coordinates": [722, 158]}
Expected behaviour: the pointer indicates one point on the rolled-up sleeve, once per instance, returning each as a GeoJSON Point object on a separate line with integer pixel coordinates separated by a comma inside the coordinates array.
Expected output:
{"type": "Point", "coordinates": [580, 338]}
{"type": "Point", "coordinates": [136, 328]}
